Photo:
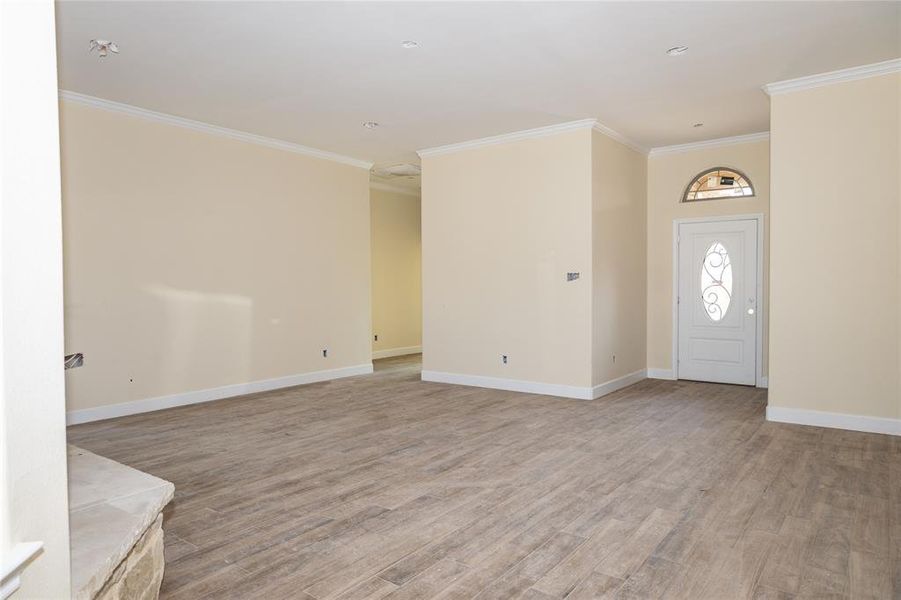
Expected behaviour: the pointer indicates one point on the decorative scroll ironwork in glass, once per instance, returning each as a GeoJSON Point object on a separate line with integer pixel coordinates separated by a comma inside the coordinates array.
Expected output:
{"type": "Point", "coordinates": [717, 183]}
{"type": "Point", "coordinates": [716, 281]}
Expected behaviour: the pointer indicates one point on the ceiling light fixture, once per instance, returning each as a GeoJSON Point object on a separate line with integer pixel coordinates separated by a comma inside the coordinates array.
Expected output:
{"type": "Point", "coordinates": [409, 44]}
{"type": "Point", "coordinates": [677, 51]}
{"type": "Point", "coordinates": [103, 47]}
{"type": "Point", "coordinates": [698, 125]}
{"type": "Point", "coordinates": [370, 124]}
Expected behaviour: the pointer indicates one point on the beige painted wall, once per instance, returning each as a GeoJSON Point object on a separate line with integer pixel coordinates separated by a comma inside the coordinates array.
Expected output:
{"type": "Point", "coordinates": [194, 261]}
{"type": "Point", "coordinates": [33, 498]}
{"type": "Point", "coordinates": [396, 270]}
{"type": "Point", "coordinates": [619, 228]}
{"type": "Point", "coordinates": [835, 293]}
{"type": "Point", "coordinates": [668, 174]}
{"type": "Point", "coordinates": [501, 226]}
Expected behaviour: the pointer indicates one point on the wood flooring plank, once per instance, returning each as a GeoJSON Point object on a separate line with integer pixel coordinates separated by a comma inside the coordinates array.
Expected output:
{"type": "Point", "coordinates": [870, 525]}
{"type": "Point", "coordinates": [782, 570]}
{"type": "Point", "coordinates": [523, 574]}
{"type": "Point", "coordinates": [871, 577]}
{"type": "Point", "coordinates": [373, 588]}
{"type": "Point", "coordinates": [651, 580]}
{"type": "Point", "coordinates": [625, 560]}
{"type": "Point", "coordinates": [431, 581]}
{"type": "Point", "coordinates": [762, 592]}
{"type": "Point", "coordinates": [533, 594]}
{"type": "Point", "coordinates": [739, 574]}
{"type": "Point", "coordinates": [565, 576]}
{"type": "Point", "coordinates": [597, 586]}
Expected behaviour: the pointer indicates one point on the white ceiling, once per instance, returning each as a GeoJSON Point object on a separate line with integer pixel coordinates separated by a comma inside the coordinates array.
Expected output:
{"type": "Point", "coordinates": [311, 73]}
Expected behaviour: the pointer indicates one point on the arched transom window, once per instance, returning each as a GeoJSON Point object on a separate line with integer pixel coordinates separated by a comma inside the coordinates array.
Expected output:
{"type": "Point", "coordinates": [720, 182]}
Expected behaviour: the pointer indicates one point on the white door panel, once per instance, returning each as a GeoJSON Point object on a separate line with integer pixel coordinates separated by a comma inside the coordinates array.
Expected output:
{"type": "Point", "coordinates": [717, 303]}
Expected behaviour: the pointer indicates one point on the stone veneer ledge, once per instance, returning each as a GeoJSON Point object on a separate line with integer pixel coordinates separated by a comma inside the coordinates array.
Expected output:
{"type": "Point", "coordinates": [115, 528]}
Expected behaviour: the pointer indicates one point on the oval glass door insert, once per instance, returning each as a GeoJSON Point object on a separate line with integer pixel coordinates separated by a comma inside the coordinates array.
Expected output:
{"type": "Point", "coordinates": [716, 281]}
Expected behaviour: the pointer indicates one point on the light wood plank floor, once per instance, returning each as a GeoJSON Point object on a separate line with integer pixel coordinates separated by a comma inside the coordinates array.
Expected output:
{"type": "Point", "coordinates": [383, 486]}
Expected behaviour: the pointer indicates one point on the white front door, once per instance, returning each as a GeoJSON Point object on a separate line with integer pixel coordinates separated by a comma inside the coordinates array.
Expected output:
{"type": "Point", "coordinates": [717, 301]}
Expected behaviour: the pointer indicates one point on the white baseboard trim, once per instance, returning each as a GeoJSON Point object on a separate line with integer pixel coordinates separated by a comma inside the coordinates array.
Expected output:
{"type": "Point", "coordinates": [668, 374]}
{"type": "Point", "coordinates": [512, 385]}
{"type": "Point", "coordinates": [832, 420]}
{"type": "Point", "coordinates": [134, 407]}
{"type": "Point", "coordinates": [608, 387]}
{"type": "Point", "coordinates": [535, 387]}
{"type": "Point", "coordinates": [660, 374]}
{"type": "Point", "coordinates": [390, 352]}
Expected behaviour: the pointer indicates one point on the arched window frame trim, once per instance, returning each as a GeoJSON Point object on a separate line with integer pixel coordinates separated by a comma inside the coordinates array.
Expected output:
{"type": "Point", "coordinates": [684, 198]}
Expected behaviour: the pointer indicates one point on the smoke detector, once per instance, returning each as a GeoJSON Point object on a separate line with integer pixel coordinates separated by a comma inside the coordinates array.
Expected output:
{"type": "Point", "coordinates": [103, 47]}
{"type": "Point", "coordinates": [398, 170]}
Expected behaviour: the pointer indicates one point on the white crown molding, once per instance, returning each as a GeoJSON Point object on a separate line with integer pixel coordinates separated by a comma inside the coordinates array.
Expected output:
{"type": "Point", "coordinates": [134, 407]}
{"type": "Point", "coordinates": [616, 136]}
{"type": "Point", "coordinates": [396, 189]}
{"type": "Point", "coordinates": [526, 134]}
{"type": "Point", "coordinates": [726, 141]}
{"type": "Point", "coordinates": [143, 113]}
{"type": "Point", "coordinates": [832, 420]}
{"type": "Point", "coordinates": [821, 79]}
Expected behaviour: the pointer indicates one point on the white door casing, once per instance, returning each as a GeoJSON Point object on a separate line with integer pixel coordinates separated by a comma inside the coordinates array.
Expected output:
{"type": "Point", "coordinates": [717, 302]}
